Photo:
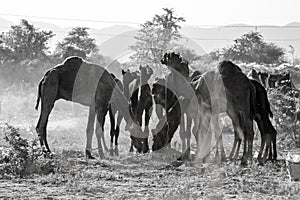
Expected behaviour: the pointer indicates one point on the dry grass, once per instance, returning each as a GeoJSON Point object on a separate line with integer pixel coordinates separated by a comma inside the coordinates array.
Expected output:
{"type": "Point", "coordinates": [130, 175]}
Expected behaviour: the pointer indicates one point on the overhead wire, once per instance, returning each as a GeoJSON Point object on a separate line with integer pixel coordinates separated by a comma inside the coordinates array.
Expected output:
{"type": "Point", "coordinates": [136, 23]}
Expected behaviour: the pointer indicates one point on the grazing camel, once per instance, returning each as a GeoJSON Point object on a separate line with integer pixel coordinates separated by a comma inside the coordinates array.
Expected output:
{"type": "Point", "coordinates": [267, 130]}
{"type": "Point", "coordinates": [168, 124]}
{"type": "Point", "coordinates": [85, 83]}
{"type": "Point", "coordinates": [263, 109]}
{"type": "Point", "coordinates": [145, 102]}
{"type": "Point", "coordinates": [138, 93]}
{"type": "Point", "coordinates": [142, 103]}
{"type": "Point", "coordinates": [179, 83]}
{"type": "Point", "coordinates": [115, 121]}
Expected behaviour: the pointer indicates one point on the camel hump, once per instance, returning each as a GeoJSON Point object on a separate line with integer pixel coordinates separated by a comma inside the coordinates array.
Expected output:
{"type": "Point", "coordinates": [73, 61]}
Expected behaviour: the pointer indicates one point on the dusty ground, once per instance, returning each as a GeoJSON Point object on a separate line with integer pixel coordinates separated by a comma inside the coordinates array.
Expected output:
{"type": "Point", "coordinates": [134, 176]}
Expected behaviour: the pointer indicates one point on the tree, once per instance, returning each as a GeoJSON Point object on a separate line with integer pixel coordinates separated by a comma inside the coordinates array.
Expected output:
{"type": "Point", "coordinates": [188, 54]}
{"type": "Point", "coordinates": [250, 48]}
{"type": "Point", "coordinates": [154, 38]}
{"type": "Point", "coordinates": [24, 41]}
{"type": "Point", "coordinates": [77, 43]}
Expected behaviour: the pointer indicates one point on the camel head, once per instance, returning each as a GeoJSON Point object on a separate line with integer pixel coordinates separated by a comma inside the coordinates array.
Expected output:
{"type": "Point", "coordinates": [177, 62]}
{"type": "Point", "coordinates": [129, 76]}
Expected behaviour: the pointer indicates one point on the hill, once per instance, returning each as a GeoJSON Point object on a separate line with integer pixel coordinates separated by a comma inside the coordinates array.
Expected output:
{"type": "Point", "coordinates": [114, 40]}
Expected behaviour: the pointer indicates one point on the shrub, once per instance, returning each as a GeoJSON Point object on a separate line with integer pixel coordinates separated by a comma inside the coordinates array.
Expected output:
{"type": "Point", "coordinates": [285, 106]}
{"type": "Point", "coordinates": [22, 157]}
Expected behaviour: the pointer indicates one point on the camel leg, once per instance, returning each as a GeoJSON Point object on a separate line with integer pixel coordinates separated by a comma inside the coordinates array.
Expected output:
{"type": "Point", "coordinates": [203, 136]}
{"type": "Point", "coordinates": [236, 146]}
{"type": "Point", "coordinates": [49, 89]}
{"type": "Point", "coordinates": [90, 132]}
{"type": "Point", "coordinates": [262, 146]}
{"type": "Point", "coordinates": [41, 127]}
{"type": "Point", "coordinates": [238, 135]}
{"type": "Point", "coordinates": [274, 147]}
{"type": "Point", "coordinates": [131, 147]}
{"type": "Point", "coordinates": [239, 141]}
{"type": "Point", "coordinates": [266, 152]}
{"type": "Point", "coordinates": [196, 126]}
{"type": "Point", "coordinates": [112, 129]}
{"type": "Point", "coordinates": [148, 113]}
{"type": "Point", "coordinates": [248, 140]}
{"type": "Point", "coordinates": [218, 137]}
{"type": "Point", "coordinates": [270, 151]}
{"type": "Point", "coordinates": [101, 113]}
{"type": "Point", "coordinates": [182, 132]}
{"type": "Point", "coordinates": [223, 154]}
{"type": "Point", "coordinates": [188, 132]}
{"type": "Point", "coordinates": [233, 148]}
{"type": "Point", "coordinates": [245, 153]}
{"type": "Point", "coordinates": [234, 120]}
{"type": "Point", "coordinates": [117, 133]}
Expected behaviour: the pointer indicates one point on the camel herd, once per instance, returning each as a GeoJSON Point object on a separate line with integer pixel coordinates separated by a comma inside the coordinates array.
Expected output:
{"type": "Point", "coordinates": [199, 98]}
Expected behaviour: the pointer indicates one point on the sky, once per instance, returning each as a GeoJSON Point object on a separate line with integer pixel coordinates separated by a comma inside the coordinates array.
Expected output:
{"type": "Point", "coordinates": [196, 12]}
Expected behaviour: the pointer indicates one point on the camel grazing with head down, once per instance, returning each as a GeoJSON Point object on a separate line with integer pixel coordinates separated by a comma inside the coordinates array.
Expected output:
{"type": "Point", "coordinates": [138, 92]}
{"type": "Point", "coordinates": [85, 83]}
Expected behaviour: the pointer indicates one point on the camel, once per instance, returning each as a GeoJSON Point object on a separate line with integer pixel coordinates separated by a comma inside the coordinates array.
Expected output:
{"type": "Point", "coordinates": [145, 102]}
{"type": "Point", "coordinates": [179, 82]}
{"type": "Point", "coordinates": [267, 130]}
{"type": "Point", "coordinates": [225, 90]}
{"type": "Point", "coordinates": [261, 116]}
{"type": "Point", "coordinates": [168, 124]}
{"type": "Point", "coordinates": [115, 121]}
{"type": "Point", "coordinates": [138, 93]}
{"type": "Point", "coordinates": [88, 84]}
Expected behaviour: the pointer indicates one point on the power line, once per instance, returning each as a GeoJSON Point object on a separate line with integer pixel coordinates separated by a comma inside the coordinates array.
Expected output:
{"type": "Point", "coordinates": [70, 19]}
{"type": "Point", "coordinates": [137, 23]}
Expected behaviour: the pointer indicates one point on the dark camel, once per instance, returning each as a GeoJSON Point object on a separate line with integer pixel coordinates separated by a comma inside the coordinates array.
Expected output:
{"type": "Point", "coordinates": [138, 92]}
{"type": "Point", "coordinates": [165, 99]}
{"type": "Point", "coordinates": [226, 90]}
{"type": "Point", "coordinates": [267, 130]}
{"type": "Point", "coordinates": [262, 119]}
{"type": "Point", "coordinates": [115, 121]}
{"type": "Point", "coordinates": [85, 83]}
{"type": "Point", "coordinates": [179, 83]}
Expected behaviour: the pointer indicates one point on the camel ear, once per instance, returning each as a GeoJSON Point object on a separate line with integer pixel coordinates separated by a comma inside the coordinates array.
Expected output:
{"type": "Point", "coordinates": [123, 72]}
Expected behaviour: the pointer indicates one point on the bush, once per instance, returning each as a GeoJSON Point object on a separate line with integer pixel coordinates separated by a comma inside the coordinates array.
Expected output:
{"type": "Point", "coordinates": [22, 157]}
{"type": "Point", "coordinates": [285, 107]}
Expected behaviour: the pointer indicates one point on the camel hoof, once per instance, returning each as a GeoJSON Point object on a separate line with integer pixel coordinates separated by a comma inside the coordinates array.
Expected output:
{"type": "Point", "coordinates": [244, 162]}
{"type": "Point", "coordinates": [88, 155]}
{"type": "Point", "coordinates": [131, 149]}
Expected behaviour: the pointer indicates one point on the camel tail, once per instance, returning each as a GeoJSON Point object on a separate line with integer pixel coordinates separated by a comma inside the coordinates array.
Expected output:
{"type": "Point", "coordinates": [39, 95]}
{"type": "Point", "coordinates": [268, 106]}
